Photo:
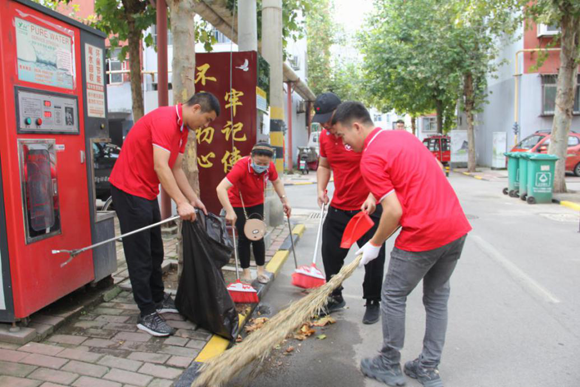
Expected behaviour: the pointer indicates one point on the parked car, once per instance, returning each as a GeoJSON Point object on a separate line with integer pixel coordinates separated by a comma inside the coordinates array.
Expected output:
{"type": "Point", "coordinates": [105, 155]}
{"type": "Point", "coordinates": [539, 141]}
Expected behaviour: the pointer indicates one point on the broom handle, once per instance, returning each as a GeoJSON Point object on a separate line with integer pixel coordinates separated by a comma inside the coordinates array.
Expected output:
{"type": "Point", "coordinates": [292, 240]}
{"type": "Point", "coordinates": [319, 234]}
{"type": "Point", "coordinates": [236, 252]}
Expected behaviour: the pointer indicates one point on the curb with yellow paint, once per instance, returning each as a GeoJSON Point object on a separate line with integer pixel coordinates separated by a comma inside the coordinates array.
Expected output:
{"type": "Point", "coordinates": [565, 203]}
{"type": "Point", "coordinates": [217, 344]}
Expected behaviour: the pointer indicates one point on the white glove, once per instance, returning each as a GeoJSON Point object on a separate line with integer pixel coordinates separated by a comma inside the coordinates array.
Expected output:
{"type": "Point", "coordinates": [369, 252]}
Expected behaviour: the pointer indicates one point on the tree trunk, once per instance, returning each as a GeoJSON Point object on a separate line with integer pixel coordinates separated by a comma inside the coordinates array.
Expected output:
{"type": "Point", "coordinates": [134, 39]}
{"type": "Point", "coordinates": [414, 125]}
{"type": "Point", "coordinates": [439, 110]}
{"type": "Point", "coordinates": [567, 81]}
{"type": "Point", "coordinates": [183, 70]}
{"type": "Point", "coordinates": [468, 93]}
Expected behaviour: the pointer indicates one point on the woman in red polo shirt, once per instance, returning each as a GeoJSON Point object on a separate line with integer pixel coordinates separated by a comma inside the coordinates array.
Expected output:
{"type": "Point", "coordinates": [243, 189]}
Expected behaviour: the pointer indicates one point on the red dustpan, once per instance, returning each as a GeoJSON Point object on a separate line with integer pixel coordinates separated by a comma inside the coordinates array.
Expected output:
{"type": "Point", "coordinates": [358, 226]}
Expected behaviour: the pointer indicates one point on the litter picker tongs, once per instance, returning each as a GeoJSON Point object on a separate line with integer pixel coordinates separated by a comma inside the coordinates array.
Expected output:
{"type": "Point", "coordinates": [74, 253]}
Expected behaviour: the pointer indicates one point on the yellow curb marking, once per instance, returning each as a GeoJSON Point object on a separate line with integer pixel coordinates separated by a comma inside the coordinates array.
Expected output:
{"type": "Point", "coordinates": [299, 230]}
{"type": "Point", "coordinates": [214, 347]}
{"type": "Point", "coordinates": [572, 205]}
{"type": "Point", "coordinates": [277, 261]}
{"type": "Point", "coordinates": [466, 173]}
{"type": "Point", "coordinates": [478, 177]}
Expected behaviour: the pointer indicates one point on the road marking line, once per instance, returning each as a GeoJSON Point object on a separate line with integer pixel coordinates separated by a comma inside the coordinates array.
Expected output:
{"type": "Point", "coordinates": [515, 271]}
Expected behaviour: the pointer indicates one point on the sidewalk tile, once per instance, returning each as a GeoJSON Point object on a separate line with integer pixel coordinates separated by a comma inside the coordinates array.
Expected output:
{"type": "Point", "coordinates": [67, 339]}
{"type": "Point", "coordinates": [112, 319]}
{"type": "Point", "coordinates": [177, 341]}
{"type": "Point", "coordinates": [50, 384]}
{"type": "Point", "coordinates": [121, 327]}
{"type": "Point", "coordinates": [85, 369]}
{"type": "Point", "coordinates": [129, 365]}
{"type": "Point", "coordinates": [10, 381]}
{"type": "Point", "coordinates": [15, 369]}
{"type": "Point", "coordinates": [54, 376]}
{"type": "Point", "coordinates": [198, 335]}
{"type": "Point", "coordinates": [179, 361]}
{"type": "Point", "coordinates": [161, 383]}
{"type": "Point", "coordinates": [42, 349]}
{"type": "Point", "coordinates": [100, 343]}
{"type": "Point", "coordinates": [130, 336]}
{"type": "Point", "coordinates": [48, 320]}
{"type": "Point", "coordinates": [181, 324]}
{"type": "Point", "coordinates": [10, 355]}
{"type": "Point", "coordinates": [44, 361]}
{"type": "Point", "coordinates": [160, 371]}
{"type": "Point", "coordinates": [179, 351]}
{"type": "Point", "coordinates": [108, 311]}
{"type": "Point", "coordinates": [196, 344]}
{"type": "Point", "coordinates": [128, 377]}
{"type": "Point", "coordinates": [149, 357]}
{"type": "Point", "coordinates": [79, 354]}
{"type": "Point", "coordinates": [4, 345]}
{"type": "Point", "coordinates": [90, 324]}
{"type": "Point", "coordinates": [85, 381]}
{"type": "Point", "coordinates": [100, 333]}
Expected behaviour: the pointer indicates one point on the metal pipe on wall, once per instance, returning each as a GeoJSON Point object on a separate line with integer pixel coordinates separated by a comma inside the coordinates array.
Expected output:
{"type": "Point", "coordinates": [290, 161]}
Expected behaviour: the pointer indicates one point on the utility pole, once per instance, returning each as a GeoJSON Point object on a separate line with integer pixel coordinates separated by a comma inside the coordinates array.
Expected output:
{"type": "Point", "coordinates": [247, 26]}
{"type": "Point", "coordinates": [272, 52]}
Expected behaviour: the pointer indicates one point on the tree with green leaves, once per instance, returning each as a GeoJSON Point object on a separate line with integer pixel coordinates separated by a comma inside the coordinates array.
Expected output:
{"type": "Point", "coordinates": [564, 14]}
{"type": "Point", "coordinates": [320, 31]}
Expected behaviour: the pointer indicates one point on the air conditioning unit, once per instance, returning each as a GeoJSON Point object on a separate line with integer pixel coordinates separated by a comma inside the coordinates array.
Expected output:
{"type": "Point", "coordinates": [294, 63]}
{"type": "Point", "coordinates": [301, 108]}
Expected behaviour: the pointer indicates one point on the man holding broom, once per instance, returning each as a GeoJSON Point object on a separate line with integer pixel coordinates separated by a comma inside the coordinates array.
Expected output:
{"type": "Point", "coordinates": [350, 197]}
{"type": "Point", "coordinates": [416, 195]}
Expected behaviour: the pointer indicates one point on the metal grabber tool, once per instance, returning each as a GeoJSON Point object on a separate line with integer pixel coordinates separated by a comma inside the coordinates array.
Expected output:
{"type": "Point", "coordinates": [75, 252]}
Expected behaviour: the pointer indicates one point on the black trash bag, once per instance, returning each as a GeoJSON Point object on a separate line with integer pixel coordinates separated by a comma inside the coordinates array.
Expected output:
{"type": "Point", "coordinates": [202, 295]}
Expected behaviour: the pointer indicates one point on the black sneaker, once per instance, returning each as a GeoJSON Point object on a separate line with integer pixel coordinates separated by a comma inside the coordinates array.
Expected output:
{"type": "Point", "coordinates": [167, 305]}
{"type": "Point", "coordinates": [374, 368]}
{"type": "Point", "coordinates": [334, 304]}
{"type": "Point", "coordinates": [428, 377]}
{"type": "Point", "coordinates": [373, 312]}
{"type": "Point", "coordinates": [155, 325]}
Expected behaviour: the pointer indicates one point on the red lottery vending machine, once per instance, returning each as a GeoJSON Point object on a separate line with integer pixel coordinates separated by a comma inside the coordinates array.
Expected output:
{"type": "Point", "coordinates": [52, 108]}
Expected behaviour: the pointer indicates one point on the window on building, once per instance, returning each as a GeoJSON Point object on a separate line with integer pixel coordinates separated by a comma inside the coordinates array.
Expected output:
{"type": "Point", "coordinates": [547, 30]}
{"type": "Point", "coordinates": [154, 36]}
{"type": "Point", "coordinates": [114, 64]}
{"type": "Point", "coordinates": [549, 87]}
{"type": "Point", "coordinates": [378, 118]}
{"type": "Point", "coordinates": [219, 37]}
{"type": "Point", "coordinates": [429, 124]}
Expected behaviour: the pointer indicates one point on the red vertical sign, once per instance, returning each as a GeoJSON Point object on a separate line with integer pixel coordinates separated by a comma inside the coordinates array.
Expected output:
{"type": "Point", "coordinates": [233, 134]}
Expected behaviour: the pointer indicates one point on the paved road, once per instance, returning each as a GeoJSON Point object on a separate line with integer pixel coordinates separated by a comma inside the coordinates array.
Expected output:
{"type": "Point", "coordinates": [514, 308]}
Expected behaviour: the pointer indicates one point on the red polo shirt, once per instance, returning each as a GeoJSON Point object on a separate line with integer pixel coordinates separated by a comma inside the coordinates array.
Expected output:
{"type": "Point", "coordinates": [134, 171]}
{"type": "Point", "coordinates": [252, 185]}
{"type": "Point", "coordinates": [350, 191]}
{"type": "Point", "coordinates": [396, 162]}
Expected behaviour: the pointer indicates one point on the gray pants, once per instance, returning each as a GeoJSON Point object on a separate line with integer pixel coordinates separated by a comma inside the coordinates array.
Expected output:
{"type": "Point", "coordinates": [406, 269]}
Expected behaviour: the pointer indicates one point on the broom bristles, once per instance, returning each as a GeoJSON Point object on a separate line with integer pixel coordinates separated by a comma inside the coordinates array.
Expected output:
{"type": "Point", "coordinates": [219, 370]}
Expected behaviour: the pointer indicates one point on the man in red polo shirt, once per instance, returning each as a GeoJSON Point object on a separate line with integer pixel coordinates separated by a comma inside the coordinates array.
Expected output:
{"type": "Point", "coordinates": [351, 196]}
{"type": "Point", "coordinates": [152, 154]}
{"type": "Point", "coordinates": [415, 194]}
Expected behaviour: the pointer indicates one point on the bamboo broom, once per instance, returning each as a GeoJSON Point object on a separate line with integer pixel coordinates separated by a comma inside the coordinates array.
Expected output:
{"type": "Point", "coordinates": [221, 369]}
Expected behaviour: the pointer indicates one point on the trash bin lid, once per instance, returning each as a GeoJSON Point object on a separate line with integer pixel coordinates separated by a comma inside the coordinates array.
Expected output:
{"type": "Point", "coordinates": [526, 155]}
{"type": "Point", "coordinates": [544, 157]}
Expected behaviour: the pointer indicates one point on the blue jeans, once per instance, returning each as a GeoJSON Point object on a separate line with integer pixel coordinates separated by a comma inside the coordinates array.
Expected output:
{"type": "Point", "coordinates": [406, 269]}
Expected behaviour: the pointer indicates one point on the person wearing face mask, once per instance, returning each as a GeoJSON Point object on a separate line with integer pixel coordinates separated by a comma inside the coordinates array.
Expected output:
{"type": "Point", "coordinates": [152, 154]}
{"type": "Point", "coordinates": [241, 194]}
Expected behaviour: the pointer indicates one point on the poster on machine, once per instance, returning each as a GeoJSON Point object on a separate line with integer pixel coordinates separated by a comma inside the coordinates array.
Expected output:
{"type": "Point", "coordinates": [95, 82]}
{"type": "Point", "coordinates": [44, 56]}
{"type": "Point", "coordinates": [459, 146]}
{"type": "Point", "coordinates": [498, 149]}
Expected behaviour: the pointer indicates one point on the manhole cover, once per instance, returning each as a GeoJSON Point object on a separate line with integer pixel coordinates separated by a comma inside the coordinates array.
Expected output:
{"type": "Point", "coordinates": [571, 218]}
{"type": "Point", "coordinates": [471, 217]}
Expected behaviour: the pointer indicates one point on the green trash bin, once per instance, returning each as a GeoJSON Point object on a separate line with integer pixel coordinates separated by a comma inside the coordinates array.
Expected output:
{"type": "Point", "coordinates": [513, 174]}
{"type": "Point", "coordinates": [523, 174]}
{"type": "Point", "coordinates": [540, 178]}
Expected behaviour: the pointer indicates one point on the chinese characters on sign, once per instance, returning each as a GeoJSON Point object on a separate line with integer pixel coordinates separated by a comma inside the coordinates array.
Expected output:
{"type": "Point", "coordinates": [95, 82]}
{"type": "Point", "coordinates": [232, 135]}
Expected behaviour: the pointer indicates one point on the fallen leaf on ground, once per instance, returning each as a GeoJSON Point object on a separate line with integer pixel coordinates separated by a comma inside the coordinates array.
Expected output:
{"type": "Point", "coordinates": [255, 324]}
{"type": "Point", "coordinates": [321, 337]}
{"type": "Point", "coordinates": [300, 336]}
{"type": "Point", "coordinates": [277, 346]}
{"type": "Point", "coordinates": [306, 330]}
{"type": "Point", "coordinates": [324, 322]}
{"type": "Point", "coordinates": [289, 349]}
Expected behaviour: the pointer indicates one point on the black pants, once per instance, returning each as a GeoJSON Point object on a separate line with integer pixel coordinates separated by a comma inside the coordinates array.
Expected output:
{"type": "Point", "coordinates": [144, 250]}
{"type": "Point", "coordinates": [333, 255]}
{"type": "Point", "coordinates": [244, 243]}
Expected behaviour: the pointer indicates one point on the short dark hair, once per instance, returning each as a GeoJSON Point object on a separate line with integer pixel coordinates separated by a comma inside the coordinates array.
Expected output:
{"type": "Point", "coordinates": [400, 122]}
{"type": "Point", "coordinates": [263, 149]}
{"type": "Point", "coordinates": [350, 111]}
{"type": "Point", "coordinates": [207, 101]}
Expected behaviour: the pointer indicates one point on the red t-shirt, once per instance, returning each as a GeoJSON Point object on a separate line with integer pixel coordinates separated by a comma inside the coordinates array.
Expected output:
{"type": "Point", "coordinates": [397, 162]}
{"type": "Point", "coordinates": [350, 191]}
{"type": "Point", "coordinates": [134, 171]}
{"type": "Point", "coordinates": [252, 185]}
